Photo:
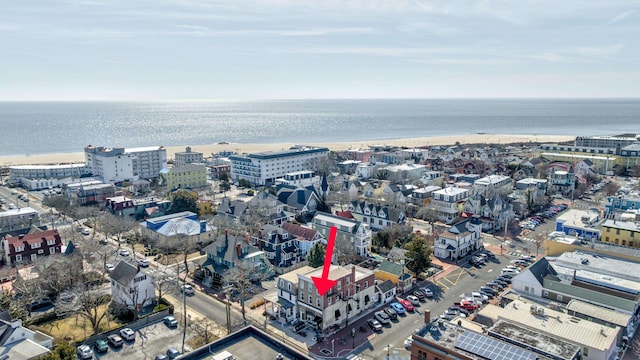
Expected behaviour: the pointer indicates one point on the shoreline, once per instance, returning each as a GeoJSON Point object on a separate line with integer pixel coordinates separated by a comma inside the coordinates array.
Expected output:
{"type": "Point", "coordinates": [207, 150]}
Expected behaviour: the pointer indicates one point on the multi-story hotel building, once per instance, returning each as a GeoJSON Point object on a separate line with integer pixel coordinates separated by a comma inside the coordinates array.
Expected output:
{"type": "Point", "coordinates": [20, 173]}
{"type": "Point", "coordinates": [265, 167]}
{"type": "Point", "coordinates": [187, 157]}
{"type": "Point", "coordinates": [119, 164]}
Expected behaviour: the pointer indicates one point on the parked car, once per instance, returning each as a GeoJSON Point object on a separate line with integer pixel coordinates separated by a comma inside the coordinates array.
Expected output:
{"type": "Point", "coordinates": [187, 289]}
{"type": "Point", "coordinates": [161, 357]}
{"type": "Point", "coordinates": [502, 282]}
{"type": "Point", "coordinates": [406, 304]}
{"type": "Point", "coordinates": [84, 352]}
{"type": "Point", "coordinates": [506, 278]}
{"type": "Point", "coordinates": [86, 231]}
{"type": "Point", "coordinates": [172, 353]}
{"type": "Point", "coordinates": [115, 340]}
{"type": "Point", "coordinates": [480, 297]}
{"type": "Point", "coordinates": [374, 325]}
{"type": "Point", "coordinates": [449, 314]}
{"type": "Point", "coordinates": [460, 310]}
{"type": "Point", "coordinates": [427, 292]}
{"type": "Point", "coordinates": [490, 255]}
{"type": "Point", "coordinates": [101, 346]}
{"type": "Point", "coordinates": [419, 294]}
{"type": "Point", "coordinates": [382, 317]}
{"type": "Point", "coordinates": [495, 285]}
{"type": "Point", "coordinates": [170, 321]}
{"type": "Point", "coordinates": [487, 289]}
{"type": "Point", "coordinates": [398, 308]}
{"type": "Point", "coordinates": [467, 305]}
{"type": "Point", "coordinates": [413, 300]}
{"type": "Point", "coordinates": [407, 342]}
{"type": "Point", "coordinates": [128, 334]}
{"type": "Point", "coordinates": [109, 267]}
{"type": "Point", "coordinates": [391, 313]}
{"type": "Point", "coordinates": [124, 252]}
{"type": "Point", "coordinates": [143, 263]}
{"type": "Point", "coordinates": [487, 294]}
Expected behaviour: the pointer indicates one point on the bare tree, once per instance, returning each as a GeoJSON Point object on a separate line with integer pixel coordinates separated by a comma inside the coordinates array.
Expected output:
{"type": "Point", "coordinates": [115, 226]}
{"type": "Point", "coordinates": [205, 330]}
{"type": "Point", "coordinates": [88, 300]}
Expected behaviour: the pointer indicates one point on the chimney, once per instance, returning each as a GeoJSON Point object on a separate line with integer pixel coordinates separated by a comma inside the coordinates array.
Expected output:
{"type": "Point", "coordinates": [246, 238]}
{"type": "Point", "coordinates": [427, 316]}
{"type": "Point", "coordinates": [239, 249]}
{"type": "Point", "coordinates": [353, 274]}
{"type": "Point", "coordinates": [226, 238]}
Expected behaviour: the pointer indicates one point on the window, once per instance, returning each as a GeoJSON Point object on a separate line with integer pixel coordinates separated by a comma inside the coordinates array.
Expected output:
{"type": "Point", "coordinates": [366, 284]}
{"type": "Point", "coordinates": [310, 300]}
{"type": "Point", "coordinates": [559, 297]}
{"type": "Point", "coordinates": [35, 246]}
{"type": "Point", "coordinates": [52, 250]}
{"type": "Point", "coordinates": [545, 294]}
{"type": "Point", "coordinates": [585, 351]}
{"type": "Point", "coordinates": [19, 248]}
{"type": "Point", "coordinates": [41, 251]}
{"type": "Point", "coordinates": [18, 257]}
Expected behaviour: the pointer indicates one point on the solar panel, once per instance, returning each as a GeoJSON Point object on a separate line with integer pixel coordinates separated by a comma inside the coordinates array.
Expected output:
{"type": "Point", "coordinates": [490, 348]}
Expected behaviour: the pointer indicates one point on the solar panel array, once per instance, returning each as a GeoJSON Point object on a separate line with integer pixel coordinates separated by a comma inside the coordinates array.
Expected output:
{"type": "Point", "coordinates": [490, 348]}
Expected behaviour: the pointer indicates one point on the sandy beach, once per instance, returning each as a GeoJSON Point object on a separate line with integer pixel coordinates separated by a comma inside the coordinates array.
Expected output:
{"type": "Point", "coordinates": [34, 159]}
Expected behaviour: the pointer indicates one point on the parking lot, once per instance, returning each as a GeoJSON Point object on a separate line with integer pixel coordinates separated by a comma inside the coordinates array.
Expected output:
{"type": "Point", "coordinates": [150, 341]}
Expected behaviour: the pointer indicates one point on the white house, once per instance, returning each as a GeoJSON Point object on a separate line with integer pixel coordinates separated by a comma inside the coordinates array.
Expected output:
{"type": "Point", "coordinates": [448, 203]}
{"type": "Point", "coordinates": [459, 240]}
{"type": "Point", "coordinates": [493, 184]}
{"type": "Point", "coordinates": [130, 285]}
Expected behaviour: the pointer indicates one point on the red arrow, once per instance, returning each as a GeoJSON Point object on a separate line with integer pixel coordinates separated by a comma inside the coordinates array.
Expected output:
{"type": "Point", "coordinates": [323, 284]}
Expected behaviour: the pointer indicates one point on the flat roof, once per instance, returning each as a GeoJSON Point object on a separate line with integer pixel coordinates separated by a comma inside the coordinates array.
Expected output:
{"type": "Point", "coordinates": [560, 325]}
{"type": "Point", "coordinates": [623, 225]}
{"type": "Point", "coordinates": [451, 190]}
{"type": "Point", "coordinates": [335, 220]}
{"type": "Point", "coordinates": [598, 312]}
{"type": "Point", "coordinates": [18, 211]}
{"type": "Point", "coordinates": [292, 276]}
{"type": "Point", "coordinates": [492, 179]}
{"type": "Point", "coordinates": [46, 167]}
{"type": "Point", "coordinates": [603, 264]}
{"type": "Point", "coordinates": [142, 149]}
{"type": "Point", "coordinates": [550, 345]}
{"type": "Point", "coordinates": [590, 157]}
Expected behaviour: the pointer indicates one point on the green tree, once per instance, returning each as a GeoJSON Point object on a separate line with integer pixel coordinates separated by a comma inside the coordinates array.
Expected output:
{"type": "Point", "coordinates": [225, 186]}
{"type": "Point", "coordinates": [244, 183]}
{"type": "Point", "coordinates": [62, 351]}
{"type": "Point", "coordinates": [316, 255]}
{"type": "Point", "coordinates": [184, 200]}
{"type": "Point", "coordinates": [418, 255]}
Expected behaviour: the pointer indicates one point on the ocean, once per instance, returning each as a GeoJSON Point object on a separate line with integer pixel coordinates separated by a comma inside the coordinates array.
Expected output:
{"type": "Point", "coordinates": [61, 127]}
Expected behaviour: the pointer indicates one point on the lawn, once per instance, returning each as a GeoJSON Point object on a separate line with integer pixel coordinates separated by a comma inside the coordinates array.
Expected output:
{"type": "Point", "coordinates": [75, 328]}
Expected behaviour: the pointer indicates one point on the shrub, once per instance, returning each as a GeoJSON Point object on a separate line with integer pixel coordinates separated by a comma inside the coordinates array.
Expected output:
{"type": "Point", "coordinates": [257, 303]}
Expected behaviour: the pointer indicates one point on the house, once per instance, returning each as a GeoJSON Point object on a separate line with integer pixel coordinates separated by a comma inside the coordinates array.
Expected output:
{"type": "Point", "coordinates": [423, 196]}
{"type": "Point", "coordinates": [613, 205]}
{"type": "Point", "coordinates": [625, 233]}
{"type": "Point", "coordinates": [302, 178]}
{"type": "Point", "coordinates": [303, 202]}
{"type": "Point", "coordinates": [448, 203]}
{"type": "Point", "coordinates": [530, 281]}
{"type": "Point", "coordinates": [264, 206]}
{"type": "Point", "coordinates": [494, 211]}
{"type": "Point", "coordinates": [19, 342]}
{"type": "Point", "coordinates": [377, 216]}
{"type": "Point", "coordinates": [492, 185]}
{"type": "Point", "coordinates": [182, 226]}
{"type": "Point", "coordinates": [432, 178]}
{"type": "Point", "coordinates": [405, 172]}
{"type": "Point", "coordinates": [562, 181]}
{"type": "Point", "coordinates": [278, 246]}
{"type": "Point", "coordinates": [28, 247]}
{"type": "Point", "coordinates": [131, 286]}
{"type": "Point", "coordinates": [226, 252]}
{"type": "Point", "coordinates": [305, 237]}
{"type": "Point", "coordinates": [459, 240]}
{"type": "Point", "coordinates": [353, 294]}
{"type": "Point", "coordinates": [396, 273]}
{"type": "Point", "coordinates": [351, 234]}
{"type": "Point", "coordinates": [386, 291]}
{"type": "Point", "coordinates": [127, 207]}
{"type": "Point", "coordinates": [93, 194]}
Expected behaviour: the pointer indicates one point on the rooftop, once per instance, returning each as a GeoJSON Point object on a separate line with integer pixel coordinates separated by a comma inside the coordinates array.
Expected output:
{"type": "Point", "coordinates": [598, 312]}
{"type": "Point", "coordinates": [560, 325]}
{"type": "Point", "coordinates": [46, 167]}
{"type": "Point", "coordinates": [549, 345]}
{"type": "Point", "coordinates": [292, 276]}
{"type": "Point", "coordinates": [18, 211]}
{"type": "Point", "coordinates": [248, 343]}
{"type": "Point", "coordinates": [143, 149]}
{"type": "Point", "coordinates": [622, 225]}
{"type": "Point", "coordinates": [451, 190]}
{"type": "Point", "coordinates": [601, 264]}
{"type": "Point", "coordinates": [492, 179]}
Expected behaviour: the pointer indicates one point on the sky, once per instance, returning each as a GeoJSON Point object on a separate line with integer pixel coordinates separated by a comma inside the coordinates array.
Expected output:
{"type": "Point", "coordinates": [300, 49]}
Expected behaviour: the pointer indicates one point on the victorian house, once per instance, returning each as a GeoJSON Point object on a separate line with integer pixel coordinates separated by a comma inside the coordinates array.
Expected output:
{"type": "Point", "coordinates": [493, 211]}
{"type": "Point", "coordinates": [377, 216]}
{"type": "Point", "coordinates": [279, 247]}
{"type": "Point", "coordinates": [29, 247]}
{"type": "Point", "coordinates": [459, 240]}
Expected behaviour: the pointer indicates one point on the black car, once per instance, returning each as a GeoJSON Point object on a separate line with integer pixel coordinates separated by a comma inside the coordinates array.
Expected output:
{"type": "Point", "coordinates": [495, 285]}
{"type": "Point", "coordinates": [489, 290]}
{"type": "Point", "coordinates": [488, 294]}
{"type": "Point", "coordinates": [505, 278]}
{"type": "Point", "coordinates": [420, 295]}
{"type": "Point", "coordinates": [392, 313]}
{"type": "Point", "coordinates": [460, 310]}
{"type": "Point", "coordinates": [490, 254]}
{"type": "Point", "coordinates": [502, 282]}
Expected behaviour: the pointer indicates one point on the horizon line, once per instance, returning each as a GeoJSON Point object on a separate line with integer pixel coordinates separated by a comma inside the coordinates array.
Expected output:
{"type": "Point", "coordinates": [324, 99]}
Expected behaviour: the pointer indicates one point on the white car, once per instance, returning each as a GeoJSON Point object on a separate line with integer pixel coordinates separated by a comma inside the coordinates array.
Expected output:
{"type": "Point", "coordinates": [128, 334]}
{"type": "Point", "coordinates": [143, 263]}
{"type": "Point", "coordinates": [86, 231]}
{"type": "Point", "coordinates": [187, 289]}
{"type": "Point", "coordinates": [84, 352]}
{"type": "Point", "coordinates": [413, 300]}
{"type": "Point", "coordinates": [124, 252]}
{"type": "Point", "coordinates": [109, 267]}
{"type": "Point", "coordinates": [408, 342]}
{"type": "Point", "coordinates": [427, 292]}
{"type": "Point", "coordinates": [382, 317]}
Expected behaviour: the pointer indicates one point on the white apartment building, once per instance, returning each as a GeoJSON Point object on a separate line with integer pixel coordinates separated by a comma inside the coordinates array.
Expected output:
{"type": "Point", "coordinates": [265, 167]}
{"type": "Point", "coordinates": [20, 173]}
{"type": "Point", "coordinates": [187, 157]}
{"type": "Point", "coordinates": [119, 164]}
{"type": "Point", "coordinates": [304, 178]}
{"type": "Point", "coordinates": [492, 185]}
{"type": "Point", "coordinates": [448, 203]}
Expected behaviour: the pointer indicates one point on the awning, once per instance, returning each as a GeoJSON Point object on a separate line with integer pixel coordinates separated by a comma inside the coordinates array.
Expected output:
{"type": "Point", "coordinates": [450, 248]}
{"type": "Point", "coordinates": [284, 303]}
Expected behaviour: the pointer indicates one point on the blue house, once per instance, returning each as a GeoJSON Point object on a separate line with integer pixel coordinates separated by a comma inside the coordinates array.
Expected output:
{"type": "Point", "coordinates": [279, 247]}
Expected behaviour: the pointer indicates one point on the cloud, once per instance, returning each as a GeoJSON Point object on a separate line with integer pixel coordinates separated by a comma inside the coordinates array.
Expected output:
{"type": "Point", "coordinates": [434, 28]}
{"type": "Point", "coordinates": [619, 17]}
{"type": "Point", "coordinates": [205, 31]}
{"type": "Point", "coordinates": [461, 61]}
{"type": "Point", "coordinates": [373, 51]}
{"type": "Point", "coordinates": [592, 54]}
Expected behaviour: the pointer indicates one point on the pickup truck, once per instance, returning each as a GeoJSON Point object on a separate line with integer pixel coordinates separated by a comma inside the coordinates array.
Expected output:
{"type": "Point", "coordinates": [467, 305]}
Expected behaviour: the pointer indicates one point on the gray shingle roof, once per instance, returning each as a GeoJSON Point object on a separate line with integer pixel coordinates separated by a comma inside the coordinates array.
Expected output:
{"type": "Point", "coordinates": [124, 273]}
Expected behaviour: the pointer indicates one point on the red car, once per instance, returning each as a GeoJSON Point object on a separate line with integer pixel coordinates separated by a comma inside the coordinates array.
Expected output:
{"type": "Point", "coordinates": [407, 304]}
{"type": "Point", "coordinates": [468, 305]}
